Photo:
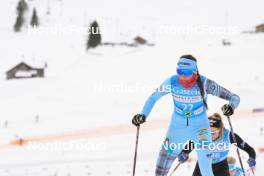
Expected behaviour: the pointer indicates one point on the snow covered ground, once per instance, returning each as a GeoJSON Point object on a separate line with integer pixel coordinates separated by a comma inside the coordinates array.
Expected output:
{"type": "Point", "coordinates": [88, 98]}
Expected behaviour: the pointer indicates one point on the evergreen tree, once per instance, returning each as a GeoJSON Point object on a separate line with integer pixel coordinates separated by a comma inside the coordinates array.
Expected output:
{"type": "Point", "coordinates": [19, 23]}
{"type": "Point", "coordinates": [94, 38]}
{"type": "Point", "coordinates": [21, 8]}
{"type": "Point", "coordinates": [34, 20]}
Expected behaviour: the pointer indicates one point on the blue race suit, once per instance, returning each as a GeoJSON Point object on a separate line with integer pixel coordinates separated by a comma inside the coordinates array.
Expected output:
{"type": "Point", "coordinates": [220, 149]}
{"type": "Point", "coordinates": [239, 172]}
{"type": "Point", "coordinates": [221, 146]}
{"type": "Point", "coordinates": [189, 120]}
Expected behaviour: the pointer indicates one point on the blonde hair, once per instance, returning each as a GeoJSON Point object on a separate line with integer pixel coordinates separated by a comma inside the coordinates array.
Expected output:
{"type": "Point", "coordinates": [217, 116]}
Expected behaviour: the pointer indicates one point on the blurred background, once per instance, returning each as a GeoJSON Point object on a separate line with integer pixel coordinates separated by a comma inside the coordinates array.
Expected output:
{"type": "Point", "coordinates": [74, 72]}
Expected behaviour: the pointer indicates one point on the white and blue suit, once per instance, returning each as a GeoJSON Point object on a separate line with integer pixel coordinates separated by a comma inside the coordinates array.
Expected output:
{"type": "Point", "coordinates": [221, 147]}
{"type": "Point", "coordinates": [189, 120]}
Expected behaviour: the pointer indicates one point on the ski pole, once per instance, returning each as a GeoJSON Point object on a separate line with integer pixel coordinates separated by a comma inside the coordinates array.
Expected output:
{"type": "Point", "coordinates": [235, 141]}
{"type": "Point", "coordinates": [135, 155]}
{"type": "Point", "coordinates": [175, 169]}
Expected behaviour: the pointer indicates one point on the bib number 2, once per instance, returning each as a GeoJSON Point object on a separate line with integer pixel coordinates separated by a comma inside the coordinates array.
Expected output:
{"type": "Point", "coordinates": [187, 107]}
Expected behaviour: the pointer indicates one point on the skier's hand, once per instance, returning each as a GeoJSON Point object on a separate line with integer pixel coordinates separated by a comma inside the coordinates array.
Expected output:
{"type": "Point", "coordinates": [252, 163]}
{"type": "Point", "coordinates": [227, 110]}
{"type": "Point", "coordinates": [138, 119]}
{"type": "Point", "coordinates": [182, 157]}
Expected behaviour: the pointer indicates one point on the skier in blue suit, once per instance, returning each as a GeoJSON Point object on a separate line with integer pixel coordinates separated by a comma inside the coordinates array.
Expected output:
{"type": "Point", "coordinates": [189, 119]}
{"type": "Point", "coordinates": [222, 139]}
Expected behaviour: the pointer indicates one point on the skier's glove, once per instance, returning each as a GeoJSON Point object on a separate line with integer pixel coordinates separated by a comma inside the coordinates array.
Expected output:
{"type": "Point", "coordinates": [138, 119]}
{"type": "Point", "coordinates": [252, 163]}
{"type": "Point", "coordinates": [227, 110]}
{"type": "Point", "coordinates": [182, 157]}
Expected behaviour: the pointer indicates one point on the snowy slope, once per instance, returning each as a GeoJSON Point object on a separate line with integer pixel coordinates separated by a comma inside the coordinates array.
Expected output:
{"type": "Point", "coordinates": [86, 92]}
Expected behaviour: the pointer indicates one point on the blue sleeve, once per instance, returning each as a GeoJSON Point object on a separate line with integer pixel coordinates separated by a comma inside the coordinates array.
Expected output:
{"type": "Point", "coordinates": [164, 89]}
{"type": "Point", "coordinates": [239, 171]}
{"type": "Point", "coordinates": [215, 89]}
